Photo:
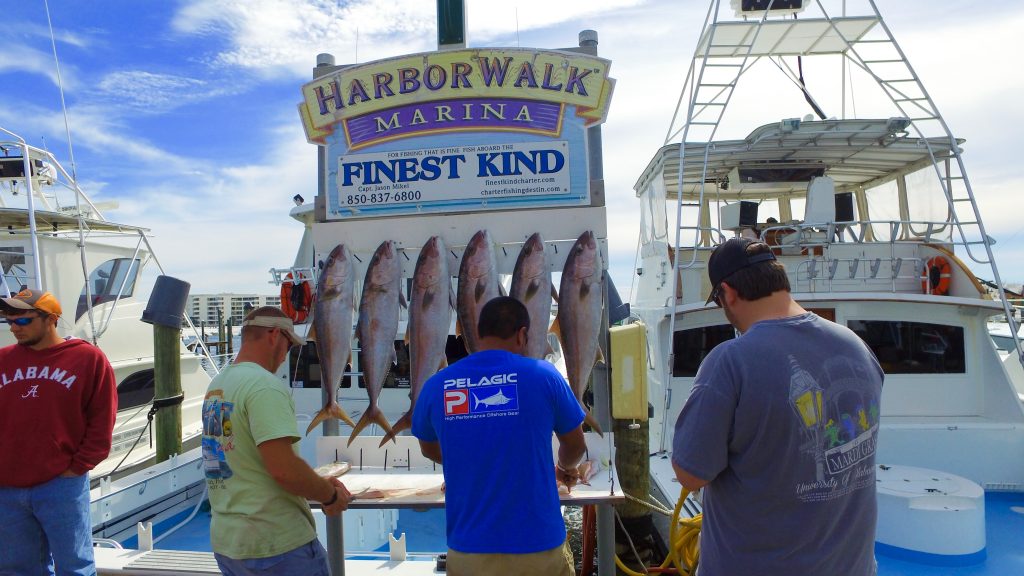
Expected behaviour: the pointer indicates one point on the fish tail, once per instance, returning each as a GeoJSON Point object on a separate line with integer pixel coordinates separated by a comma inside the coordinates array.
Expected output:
{"type": "Point", "coordinates": [589, 420]}
{"type": "Point", "coordinates": [372, 415]}
{"type": "Point", "coordinates": [404, 423]}
{"type": "Point", "coordinates": [332, 410]}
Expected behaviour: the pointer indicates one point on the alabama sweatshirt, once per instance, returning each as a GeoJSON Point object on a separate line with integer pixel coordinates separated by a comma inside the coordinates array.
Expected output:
{"type": "Point", "coordinates": [57, 410]}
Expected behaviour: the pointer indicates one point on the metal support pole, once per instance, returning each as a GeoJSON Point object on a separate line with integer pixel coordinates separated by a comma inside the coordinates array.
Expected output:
{"type": "Point", "coordinates": [605, 540]}
{"type": "Point", "coordinates": [335, 533]}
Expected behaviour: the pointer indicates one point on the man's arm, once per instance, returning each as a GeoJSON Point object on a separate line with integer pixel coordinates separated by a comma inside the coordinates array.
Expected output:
{"type": "Point", "coordinates": [689, 481]}
{"type": "Point", "coordinates": [571, 447]}
{"type": "Point", "coordinates": [100, 413]}
{"type": "Point", "coordinates": [296, 477]}
{"type": "Point", "coordinates": [431, 450]}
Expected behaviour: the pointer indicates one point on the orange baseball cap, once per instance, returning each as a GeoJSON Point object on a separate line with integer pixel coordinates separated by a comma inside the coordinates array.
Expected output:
{"type": "Point", "coordinates": [32, 300]}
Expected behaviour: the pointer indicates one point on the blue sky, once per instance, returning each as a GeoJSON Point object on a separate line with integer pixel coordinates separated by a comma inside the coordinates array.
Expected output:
{"type": "Point", "coordinates": [184, 112]}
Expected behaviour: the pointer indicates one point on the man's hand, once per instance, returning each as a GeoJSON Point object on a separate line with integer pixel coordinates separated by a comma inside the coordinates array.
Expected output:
{"type": "Point", "coordinates": [567, 477]}
{"type": "Point", "coordinates": [344, 498]}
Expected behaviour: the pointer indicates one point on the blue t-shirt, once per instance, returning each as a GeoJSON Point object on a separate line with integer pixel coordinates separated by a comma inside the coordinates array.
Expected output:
{"type": "Point", "coordinates": [493, 413]}
{"type": "Point", "coordinates": [783, 422]}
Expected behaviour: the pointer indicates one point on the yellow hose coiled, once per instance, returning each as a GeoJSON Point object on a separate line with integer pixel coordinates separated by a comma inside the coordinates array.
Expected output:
{"type": "Point", "coordinates": [684, 542]}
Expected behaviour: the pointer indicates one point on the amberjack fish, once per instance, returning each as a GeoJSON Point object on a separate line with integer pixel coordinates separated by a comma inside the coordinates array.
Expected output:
{"type": "Point", "coordinates": [531, 285]}
{"type": "Point", "coordinates": [376, 328]}
{"type": "Point", "coordinates": [578, 324]}
{"type": "Point", "coordinates": [478, 284]}
{"type": "Point", "coordinates": [430, 315]}
{"type": "Point", "coordinates": [332, 322]}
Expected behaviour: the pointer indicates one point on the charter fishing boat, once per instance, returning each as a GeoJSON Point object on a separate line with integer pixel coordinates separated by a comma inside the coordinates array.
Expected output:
{"type": "Point", "coordinates": [876, 221]}
{"type": "Point", "coordinates": [57, 239]}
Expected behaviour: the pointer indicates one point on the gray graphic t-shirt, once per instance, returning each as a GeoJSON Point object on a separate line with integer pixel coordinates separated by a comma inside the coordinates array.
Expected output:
{"type": "Point", "coordinates": [783, 423]}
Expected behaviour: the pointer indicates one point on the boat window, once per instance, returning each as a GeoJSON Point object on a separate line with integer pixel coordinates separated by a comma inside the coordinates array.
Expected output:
{"type": "Point", "coordinates": [136, 390]}
{"type": "Point", "coordinates": [304, 367]}
{"type": "Point", "coordinates": [653, 218]}
{"type": "Point", "coordinates": [305, 370]}
{"type": "Point", "coordinates": [913, 347]}
{"type": "Point", "coordinates": [927, 203]}
{"type": "Point", "coordinates": [398, 376]}
{"type": "Point", "coordinates": [106, 282]}
{"type": "Point", "coordinates": [883, 207]}
{"type": "Point", "coordinates": [15, 270]}
{"type": "Point", "coordinates": [1003, 343]}
{"type": "Point", "coordinates": [692, 346]}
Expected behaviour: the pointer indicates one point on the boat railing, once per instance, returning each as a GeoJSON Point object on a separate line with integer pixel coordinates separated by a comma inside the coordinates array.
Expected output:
{"type": "Point", "coordinates": [42, 175]}
{"type": "Point", "coordinates": [295, 275]}
{"type": "Point", "coordinates": [814, 275]}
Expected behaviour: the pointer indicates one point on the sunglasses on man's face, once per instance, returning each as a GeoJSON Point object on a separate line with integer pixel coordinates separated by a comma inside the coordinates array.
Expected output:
{"type": "Point", "coordinates": [20, 321]}
{"type": "Point", "coordinates": [716, 296]}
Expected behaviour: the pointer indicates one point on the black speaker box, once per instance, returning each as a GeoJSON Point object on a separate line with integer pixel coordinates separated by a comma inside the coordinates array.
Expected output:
{"type": "Point", "coordinates": [748, 213]}
{"type": "Point", "coordinates": [844, 207]}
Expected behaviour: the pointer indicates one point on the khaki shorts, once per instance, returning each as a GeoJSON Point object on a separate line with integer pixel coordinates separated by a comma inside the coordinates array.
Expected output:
{"type": "Point", "coordinates": [555, 562]}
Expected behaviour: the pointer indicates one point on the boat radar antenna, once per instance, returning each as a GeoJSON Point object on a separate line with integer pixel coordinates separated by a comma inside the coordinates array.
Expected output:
{"type": "Point", "coordinates": [93, 336]}
{"type": "Point", "coordinates": [60, 87]}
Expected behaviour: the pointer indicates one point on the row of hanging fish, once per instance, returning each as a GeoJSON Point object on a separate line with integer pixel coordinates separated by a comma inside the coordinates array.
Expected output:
{"type": "Point", "coordinates": [431, 301]}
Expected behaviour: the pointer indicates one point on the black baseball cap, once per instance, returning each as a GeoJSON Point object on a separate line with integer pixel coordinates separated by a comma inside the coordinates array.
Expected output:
{"type": "Point", "coordinates": [731, 257]}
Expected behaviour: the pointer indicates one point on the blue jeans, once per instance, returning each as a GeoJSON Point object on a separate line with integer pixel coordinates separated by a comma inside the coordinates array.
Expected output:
{"type": "Point", "coordinates": [306, 560]}
{"type": "Point", "coordinates": [45, 527]}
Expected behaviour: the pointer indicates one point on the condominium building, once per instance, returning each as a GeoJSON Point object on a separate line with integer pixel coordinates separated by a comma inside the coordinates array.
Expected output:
{"type": "Point", "coordinates": [208, 308]}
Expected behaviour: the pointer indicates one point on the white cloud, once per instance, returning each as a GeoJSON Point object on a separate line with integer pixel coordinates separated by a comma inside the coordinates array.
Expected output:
{"type": "Point", "coordinates": [282, 37]}
{"type": "Point", "coordinates": [224, 229]}
{"type": "Point", "coordinates": [21, 58]}
{"type": "Point", "coordinates": [154, 93]}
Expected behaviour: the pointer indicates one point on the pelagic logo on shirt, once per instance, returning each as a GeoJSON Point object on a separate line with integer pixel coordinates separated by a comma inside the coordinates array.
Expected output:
{"type": "Point", "coordinates": [495, 395]}
{"type": "Point", "coordinates": [51, 373]}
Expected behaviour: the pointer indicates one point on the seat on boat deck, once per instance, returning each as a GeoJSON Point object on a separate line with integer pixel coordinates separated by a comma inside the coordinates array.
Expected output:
{"type": "Point", "coordinates": [819, 213]}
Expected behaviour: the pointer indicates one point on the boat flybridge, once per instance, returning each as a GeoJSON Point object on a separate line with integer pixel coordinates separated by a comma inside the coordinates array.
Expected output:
{"type": "Point", "coordinates": [57, 239]}
{"type": "Point", "coordinates": [876, 222]}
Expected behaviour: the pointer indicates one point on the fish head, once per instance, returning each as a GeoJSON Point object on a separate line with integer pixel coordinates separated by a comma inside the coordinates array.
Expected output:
{"type": "Point", "coordinates": [383, 267]}
{"type": "Point", "coordinates": [476, 260]}
{"type": "Point", "coordinates": [533, 259]}
{"type": "Point", "coordinates": [429, 263]}
{"type": "Point", "coordinates": [585, 256]}
{"type": "Point", "coordinates": [338, 267]}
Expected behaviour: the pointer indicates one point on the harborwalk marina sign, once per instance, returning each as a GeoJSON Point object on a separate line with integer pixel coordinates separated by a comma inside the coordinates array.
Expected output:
{"type": "Point", "coordinates": [452, 131]}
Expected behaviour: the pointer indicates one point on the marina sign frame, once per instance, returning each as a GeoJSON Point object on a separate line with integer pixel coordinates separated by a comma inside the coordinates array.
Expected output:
{"type": "Point", "coordinates": [457, 131]}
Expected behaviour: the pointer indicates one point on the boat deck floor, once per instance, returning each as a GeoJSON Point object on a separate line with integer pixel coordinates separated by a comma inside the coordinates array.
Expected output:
{"type": "Point", "coordinates": [1004, 531]}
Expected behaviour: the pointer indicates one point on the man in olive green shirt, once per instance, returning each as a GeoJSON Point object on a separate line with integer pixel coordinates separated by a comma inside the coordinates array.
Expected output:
{"type": "Point", "coordinates": [258, 484]}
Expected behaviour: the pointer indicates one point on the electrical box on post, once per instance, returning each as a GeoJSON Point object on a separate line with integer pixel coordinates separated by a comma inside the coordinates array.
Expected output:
{"type": "Point", "coordinates": [629, 371]}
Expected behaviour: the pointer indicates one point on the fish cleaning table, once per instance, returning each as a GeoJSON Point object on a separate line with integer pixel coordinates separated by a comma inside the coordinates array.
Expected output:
{"type": "Point", "coordinates": [397, 475]}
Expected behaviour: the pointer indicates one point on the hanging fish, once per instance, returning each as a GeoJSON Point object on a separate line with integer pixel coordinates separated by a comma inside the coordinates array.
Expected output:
{"type": "Point", "coordinates": [332, 322]}
{"type": "Point", "coordinates": [531, 285]}
{"type": "Point", "coordinates": [378, 324]}
{"type": "Point", "coordinates": [478, 284]}
{"type": "Point", "coordinates": [580, 306]}
{"type": "Point", "coordinates": [430, 315]}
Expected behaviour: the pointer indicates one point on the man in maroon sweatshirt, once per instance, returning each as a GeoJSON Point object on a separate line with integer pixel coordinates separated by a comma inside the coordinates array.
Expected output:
{"type": "Point", "coordinates": [58, 401]}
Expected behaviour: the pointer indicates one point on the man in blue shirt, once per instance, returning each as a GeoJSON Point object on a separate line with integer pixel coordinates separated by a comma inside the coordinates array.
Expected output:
{"type": "Point", "coordinates": [488, 418]}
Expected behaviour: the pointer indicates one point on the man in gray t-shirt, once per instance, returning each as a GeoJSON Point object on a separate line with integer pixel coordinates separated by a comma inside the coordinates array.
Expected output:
{"type": "Point", "coordinates": [781, 428]}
